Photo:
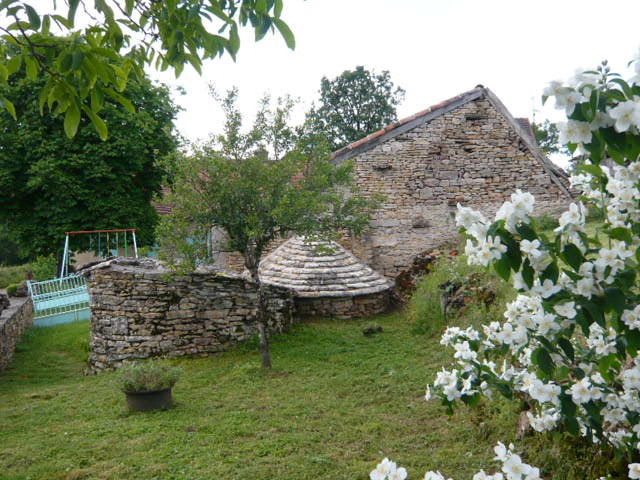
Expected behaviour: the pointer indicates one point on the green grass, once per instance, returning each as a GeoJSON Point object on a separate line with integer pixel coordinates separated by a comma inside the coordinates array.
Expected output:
{"type": "Point", "coordinates": [335, 404]}
{"type": "Point", "coordinates": [11, 275]}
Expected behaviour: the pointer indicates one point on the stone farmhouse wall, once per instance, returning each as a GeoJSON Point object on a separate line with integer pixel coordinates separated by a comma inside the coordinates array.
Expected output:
{"type": "Point", "coordinates": [137, 314]}
{"type": "Point", "coordinates": [14, 321]}
{"type": "Point", "coordinates": [472, 155]}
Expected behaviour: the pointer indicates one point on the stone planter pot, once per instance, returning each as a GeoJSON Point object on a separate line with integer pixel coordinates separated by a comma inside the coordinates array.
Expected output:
{"type": "Point", "coordinates": [146, 401]}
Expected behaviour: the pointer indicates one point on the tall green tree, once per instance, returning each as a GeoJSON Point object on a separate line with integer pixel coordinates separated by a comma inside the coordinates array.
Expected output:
{"type": "Point", "coordinates": [84, 65]}
{"type": "Point", "coordinates": [50, 184]}
{"type": "Point", "coordinates": [256, 200]}
{"type": "Point", "coordinates": [354, 104]}
{"type": "Point", "coordinates": [548, 139]}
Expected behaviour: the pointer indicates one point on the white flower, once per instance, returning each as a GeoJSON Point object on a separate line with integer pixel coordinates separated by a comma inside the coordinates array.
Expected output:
{"type": "Point", "coordinates": [433, 476]}
{"type": "Point", "coordinates": [625, 114]}
{"type": "Point", "coordinates": [634, 470]}
{"type": "Point", "coordinates": [465, 216]}
{"type": "Point", "coordinates": [501, 452]}
{"type": "Point", "coordinates": [566, 310]}
{"type": "Point", "coordinates": [574, 131]}
{"type": "Point", "coordinates": [514, 468]}
{"type": "Point", "coordinates": [581, 391]}
{"type": "Point", "coordinates": [399, 474]}
{"type": "Point", "coordinates": [383, 469]}
{"type": "Point", "coordinates": [531, 248]}
{"type": "Point", "coordinates": [601, 120]}
{"type": "Point", "coordinates": [547, 288]}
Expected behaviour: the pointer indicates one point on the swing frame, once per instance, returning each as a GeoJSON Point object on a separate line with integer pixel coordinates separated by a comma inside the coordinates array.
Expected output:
{"type": "Point", "coordinates": [64, 270]}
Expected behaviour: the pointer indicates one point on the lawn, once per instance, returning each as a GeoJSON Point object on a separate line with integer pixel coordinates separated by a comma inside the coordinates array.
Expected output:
{"type": "Point", "coordinates": [334, 405]}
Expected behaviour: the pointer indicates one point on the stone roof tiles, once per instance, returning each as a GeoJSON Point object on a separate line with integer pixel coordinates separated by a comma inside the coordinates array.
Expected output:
{"type": "Point", "coordinates": [315, 269]}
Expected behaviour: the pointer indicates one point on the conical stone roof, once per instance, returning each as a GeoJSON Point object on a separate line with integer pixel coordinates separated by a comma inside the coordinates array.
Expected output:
{"type": "Point", "coordinates": [331, 271]}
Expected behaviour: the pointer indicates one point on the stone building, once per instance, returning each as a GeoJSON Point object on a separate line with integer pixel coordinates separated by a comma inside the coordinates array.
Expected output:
{"type": "Point", "coordinates": [326, 280]}
{"type": "Point", "coordinates": [468, 150]}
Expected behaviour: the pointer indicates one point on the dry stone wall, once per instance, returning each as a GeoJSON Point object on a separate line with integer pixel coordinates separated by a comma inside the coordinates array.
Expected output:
{"type": "Point", "coordinates": [138, 313]}
{"type": "Point", "coordinates": [13, 322]}
{"type": "Point", "coordinates": [343, 308]}
{"type": "Point", "coordinates": [471, 155]}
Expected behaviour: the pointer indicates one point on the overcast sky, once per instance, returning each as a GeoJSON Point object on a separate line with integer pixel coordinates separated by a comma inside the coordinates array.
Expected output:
{"type": "Point", "coordinates": [433, 49]}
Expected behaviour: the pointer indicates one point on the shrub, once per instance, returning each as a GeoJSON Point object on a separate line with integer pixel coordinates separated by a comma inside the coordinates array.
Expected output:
{"type": "Point", "coordinates": [44, 268]}
{"type": "Point", "coordinates": [10, 275]}
{"type": "Point", "coordinates": [147, 376]}
{"type": "Point", "coordinates": [546, 222]}
{"type": "Point", "coordinates": [430, 311]}
{"type": "Point", "coordinates": [569, 344]}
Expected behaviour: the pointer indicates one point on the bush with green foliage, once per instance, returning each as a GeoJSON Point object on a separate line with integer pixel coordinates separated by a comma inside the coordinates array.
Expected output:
{"type": "Point", "coordinates": [568, 346]}
{"type": "Point", "coordinates": [425, 308]}
{"type": "Point", "coordinates": [147, 376]}
{"type": "Point", "coordinates": [44, 268]}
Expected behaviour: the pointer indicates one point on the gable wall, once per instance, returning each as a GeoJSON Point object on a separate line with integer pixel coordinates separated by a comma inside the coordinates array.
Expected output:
{"type": "Point", "coordinates": [470, 155]}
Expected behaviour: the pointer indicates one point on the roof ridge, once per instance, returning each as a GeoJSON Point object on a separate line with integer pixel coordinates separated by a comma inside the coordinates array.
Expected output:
{"type": "Point", "coordinates": [422, 113]}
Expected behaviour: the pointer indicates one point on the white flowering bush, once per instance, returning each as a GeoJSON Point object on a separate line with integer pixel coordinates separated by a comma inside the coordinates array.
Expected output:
{"type": "Point", "coordinates": [569, 344]}
{"type": "Point", "coordinates": [513, 468]}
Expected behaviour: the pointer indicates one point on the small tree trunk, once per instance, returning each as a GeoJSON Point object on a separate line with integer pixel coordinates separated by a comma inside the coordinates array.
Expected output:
{"type": "Point", "coordinates": [261, 317]}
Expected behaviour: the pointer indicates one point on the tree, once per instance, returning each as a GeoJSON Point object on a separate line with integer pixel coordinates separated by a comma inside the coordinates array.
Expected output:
{"type": "Point", "coordinates": [354, 104]}
{"type": "Point", "coordinates": [50, 184]}
{"type": "Point", "coordinates": [256, 200]}
{"type": "Point", "coordinates": [83, 66]}
{"type": "Point", "coordinates": [547, 136]}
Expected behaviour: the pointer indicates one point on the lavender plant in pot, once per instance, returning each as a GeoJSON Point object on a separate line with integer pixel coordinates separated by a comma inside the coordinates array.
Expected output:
{"type": "Point", "coordinates": [147, 384]}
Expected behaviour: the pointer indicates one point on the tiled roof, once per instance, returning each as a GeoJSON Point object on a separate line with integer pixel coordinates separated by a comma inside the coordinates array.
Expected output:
{"type": "Point", "coordinates": [423, 115]}
{"type": "Point", "coordinates": [163, 208]}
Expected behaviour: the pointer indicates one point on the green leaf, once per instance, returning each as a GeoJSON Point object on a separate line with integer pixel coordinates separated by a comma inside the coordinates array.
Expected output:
{"type": "Point", "coordinates": [124, 101]}
{"type": "Point", "coordinates": [34, 18]}
{"type": "Point", "coordinates": [573, 256]}
{"type": "Point", "coordinates": [73, 7]}
{"type": "Point", "coordinates": [605, 366]}
{"type": "Point", "coordinates": [572, 426]}
{"type": "Point", "coordinates": [615, 299]}
{"type": "Point", "coordinates": [594, 170]}
{"type": "Point", "coordinates": [32, 68]}
{"type": "Point", "coordinates": [261, 6]}
{"type": "Point", "coordinates": [567, 348]}
{"type": "Point", "coordinates": [620, 233]}
{"type": "Point", "coordinates": [6, 103]}
{"type": "Point", "coordinates": [594, 312]}
{"type": "Point", "coordinates": [286, 33]}
{"type": "Point", "coordinates": [277, 11]}
{"type": "Point", "coordinates": [76, 60]}
{"type": "Point", "coordinates": [97, 122]}
{"type": "Point", "coordinates": [527, 273]}
{"type": "Point", "coordinates": [541, 357]}
{"type": "Point", "coordinates": [71, 121]}
{"type": "Point", "coordinates": [567, 407]}
{"type": "Point", "coordinates": [14, 64]}
{"type": "Point", "coordinates": [503, 267]}
{"type": "Point", "coordinates": [632, 337]}
{"type": "Point", "coordinates": [550, 273]}
{"type": "Point", "coordinates": [234, 40]}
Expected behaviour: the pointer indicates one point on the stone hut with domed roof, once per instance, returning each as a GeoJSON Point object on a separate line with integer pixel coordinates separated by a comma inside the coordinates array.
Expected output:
{"type": "Point", "coordinates": [326, 280]}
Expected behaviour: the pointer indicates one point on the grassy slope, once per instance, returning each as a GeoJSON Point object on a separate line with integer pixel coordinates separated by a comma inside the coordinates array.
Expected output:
{"type": "Point", "coordinates": [336, 403]}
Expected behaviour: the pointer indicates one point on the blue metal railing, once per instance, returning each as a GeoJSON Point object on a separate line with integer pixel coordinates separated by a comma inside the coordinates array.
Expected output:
{"type": "Point", "coordinates": [59, 296]}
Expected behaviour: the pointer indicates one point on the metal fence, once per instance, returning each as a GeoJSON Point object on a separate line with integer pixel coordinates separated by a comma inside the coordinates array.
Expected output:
{"type": "Point", "coordinates": [60, 297]}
